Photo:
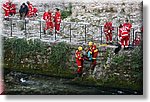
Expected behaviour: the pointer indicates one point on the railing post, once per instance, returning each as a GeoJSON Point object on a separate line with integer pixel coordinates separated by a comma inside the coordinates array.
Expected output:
{"type": "Point", "coordinates": [55, 31]}
{"type": "Point", "coordinates": [117, 35]}
{"type": "Point", "coordinates": [11, 27]}
{"type": "Point", "coordinates": [85, 33]}
{"type": "Point", "coordinates": [70, 32]}
{"type": "Point", "coordinates": [101, 34]}
{"type": "Point", "coordinates": [133, 35]}
{"type": "Point", "coordinates": [25, 28]}
{"type": "Point", "coordinates": [40, 29]}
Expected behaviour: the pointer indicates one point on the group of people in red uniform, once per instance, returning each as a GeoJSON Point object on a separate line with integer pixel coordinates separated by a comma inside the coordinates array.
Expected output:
{"type": "Point", "coordinates": [10, 9]}
{"type": "Point", "coordinates": [123, 36]}
{"type": "Point", "coordinates": [123, 33]}
{"type": "Point", "coordinates": [80, 58]}
{"type": "Point", "coordinates": [30, 11]}
{"type": "Point", "coordinates": [52, 21]}
{"type": "Point", "coordinates": [55, 20]}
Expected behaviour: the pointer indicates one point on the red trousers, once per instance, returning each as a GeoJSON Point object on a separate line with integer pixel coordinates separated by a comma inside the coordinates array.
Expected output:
{"type": "Point", "coordinates": [125, 41]}
{"type": "Point", "coordinates": [57, 26]}
{"type": "Point", "coordinates": [80, 66]}
{"type": "Point", "coordinates": [49, 25]}
{"type": "Point", "coordinates": [95, 54]}
{"type": "Point", "coordinates": [108, 37]}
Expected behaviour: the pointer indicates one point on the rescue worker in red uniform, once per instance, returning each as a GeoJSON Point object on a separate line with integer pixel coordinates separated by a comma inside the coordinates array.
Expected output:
{"type": "Point", "coordinates": [128, 25]}
{"type": "Point", "coordinates": [47, 16]}
{"type": "Point", "coordinates": [137, 41]}
{"type": "Point", "coordinates": [57, 20]}
{"type": "Point", "coordinates": [79, 61]}
{"type": "Point", "coordinates": [108, 32]}
{"type": "Point", "coordinates": [94, 51]}
{"type": "Point", "coordinates": [30, 7]}
{"type": "Point", "coordinates": [12, 8]}
{"type": "Point", "coordinates": [6, 9]}
{"type": "Point", "coordinates": [124, 36]}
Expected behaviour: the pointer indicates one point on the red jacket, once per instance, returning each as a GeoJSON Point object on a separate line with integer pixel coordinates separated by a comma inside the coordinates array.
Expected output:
{"type": "Point", "coordinates": [78, 55]}
{"type": "Point", "coordinates": [128, 25]}
{"type": "Point", "coordinates": [94, 51]}
{"type": "Point", "coordinates": [57, 17]}
{"type": "Point", "coordinates": [108, 27]}
{"type": "Point", "coordinates": [47, 16]}
{"type": "Point", "coordinates": [123, 32]}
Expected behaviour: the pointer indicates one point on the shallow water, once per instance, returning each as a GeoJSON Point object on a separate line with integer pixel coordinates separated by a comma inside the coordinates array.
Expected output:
{"type": "Point", "coordinates": [19, 83]}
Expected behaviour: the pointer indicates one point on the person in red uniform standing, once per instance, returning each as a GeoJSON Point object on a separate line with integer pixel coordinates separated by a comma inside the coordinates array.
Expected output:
{"type": "Point", "coordinates": [30, 7]}
{"type": "Point", "coordinates": [79, 61]}
{"type": "Point", "coordinates": [57, 20]}
{"type": "Point", "coordinates": [94, 51]}
{"type": "Point", "coordinates": [12, 8]}
{"type": "Point", "coordinates": [108, 32]}
{"type": "Point", "coordinates": [47, 16]}
{"type": "Point", "coordinates": [128, 25]}
{"type": "Point", "coordinates": [124, 36]}
{"type": "Point", "coordinates": [6, 9]}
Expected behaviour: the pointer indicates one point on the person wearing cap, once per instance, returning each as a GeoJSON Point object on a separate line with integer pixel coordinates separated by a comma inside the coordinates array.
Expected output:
{"type": "Point", "coordinates": [108, 31]}
{"type": "Point", "coordinates": [47, 16]}
{"type": "Point", "coordinates": [79, 61]}
{"type": "Point", "coordinates": [94, 51]}
{"type": "Point", "coordinates": [57, 20]}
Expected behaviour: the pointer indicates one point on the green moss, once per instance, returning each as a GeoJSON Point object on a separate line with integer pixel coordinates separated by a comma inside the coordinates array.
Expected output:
{"type": "Point", "coordinates": [34, 56]}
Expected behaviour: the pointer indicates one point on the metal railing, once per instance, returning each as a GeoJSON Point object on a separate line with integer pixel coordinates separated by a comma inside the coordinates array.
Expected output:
{"type": "Point", "coordinates": [70, 28]}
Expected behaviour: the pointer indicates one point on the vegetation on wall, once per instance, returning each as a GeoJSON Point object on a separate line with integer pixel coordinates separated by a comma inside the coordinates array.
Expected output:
{"type": "Point", "coordinates": [67, 12]}
{"type": "Point", "coordinates": [34, 55]}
